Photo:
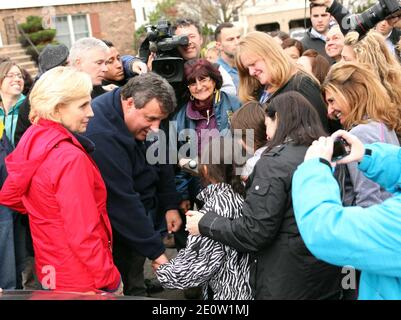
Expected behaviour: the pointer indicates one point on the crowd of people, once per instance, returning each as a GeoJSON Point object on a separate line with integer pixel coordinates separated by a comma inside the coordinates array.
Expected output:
{"type": "Point", "coordinates": [245, 178]}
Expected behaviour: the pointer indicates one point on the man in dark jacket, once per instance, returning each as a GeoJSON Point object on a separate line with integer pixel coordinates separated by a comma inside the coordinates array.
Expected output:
{"type": "Point", "coordinates": [315, 37]}
{"type": "Point", "coordinates": [138, 193]}
{"type": "Point", "coordinates": [385, 27]}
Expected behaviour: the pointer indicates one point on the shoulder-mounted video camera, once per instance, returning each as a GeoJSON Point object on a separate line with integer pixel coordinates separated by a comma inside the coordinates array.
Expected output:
{"type": "Point", "coordinates": [363, 22]}
{"type": "Point", "coordinates": [160, 40]}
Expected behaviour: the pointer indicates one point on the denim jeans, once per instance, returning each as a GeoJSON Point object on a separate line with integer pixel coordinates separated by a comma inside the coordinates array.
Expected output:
{"type": "Point", "coordinates": [8, 273]}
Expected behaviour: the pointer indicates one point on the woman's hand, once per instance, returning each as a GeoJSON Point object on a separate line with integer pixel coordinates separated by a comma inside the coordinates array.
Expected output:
{"type": "Point", "coordinates": [322, 148]}
{"type": "Point", "coordinates": [193, 218]}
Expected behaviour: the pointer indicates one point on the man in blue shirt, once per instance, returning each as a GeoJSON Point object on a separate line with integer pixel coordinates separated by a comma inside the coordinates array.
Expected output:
{"type": "Point", "coordinates": [227, 38]}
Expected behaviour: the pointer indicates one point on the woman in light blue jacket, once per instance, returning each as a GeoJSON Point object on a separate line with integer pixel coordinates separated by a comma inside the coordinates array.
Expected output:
{"type": "Point", "coordinates": [368, 239]}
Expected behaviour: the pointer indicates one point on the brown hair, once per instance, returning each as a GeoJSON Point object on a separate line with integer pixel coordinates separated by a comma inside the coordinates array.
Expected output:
{"type": "Point", "coordinates": [218, 169]}
{"type": "Point", "coordinates": [6, 66]}
{"type": "Point", "coordinates": [367, 98]}
{"type": "Point", "coordinates": [320, 65]}
{"type": "Point", "coordinates": [288, 43]}
{"type": "Point", "coordinates": [251, 116]}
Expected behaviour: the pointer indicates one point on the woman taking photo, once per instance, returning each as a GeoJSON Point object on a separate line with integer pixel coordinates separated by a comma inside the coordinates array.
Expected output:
{"type": "Point", "coordinates": [266, 71]}
{"type": "Point", "coordinates": [281, 266]}
{"type": "Point", "coordinates": [52, 178]}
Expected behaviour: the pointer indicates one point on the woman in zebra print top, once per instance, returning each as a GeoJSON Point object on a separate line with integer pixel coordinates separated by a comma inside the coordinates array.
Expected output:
{"type": "Point", "coordinates": [220, 270]}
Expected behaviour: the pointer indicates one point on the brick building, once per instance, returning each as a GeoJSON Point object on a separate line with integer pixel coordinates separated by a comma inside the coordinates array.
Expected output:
{"type": "Point", "coordinates": [73, 19]}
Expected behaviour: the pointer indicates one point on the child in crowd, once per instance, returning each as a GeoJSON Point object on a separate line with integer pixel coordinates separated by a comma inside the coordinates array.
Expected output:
{"type": "Point", "coordinates": [221, 271]}
{"type": "Point", "coordinates": [250, 117]}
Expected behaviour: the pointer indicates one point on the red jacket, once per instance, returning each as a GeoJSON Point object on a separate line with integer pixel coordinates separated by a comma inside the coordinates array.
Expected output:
{"type": "Point", "coordinates": [52, 177]}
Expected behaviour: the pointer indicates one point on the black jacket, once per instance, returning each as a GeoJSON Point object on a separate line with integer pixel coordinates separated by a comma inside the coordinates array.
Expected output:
{"type": "Point", "coordinates": [138, 193]}
{"type": "Point", "coordinates": [281, 265]}
{"type": "Point", "coordinates": [309, 41]}
{"type": "Point", "coordinates": [304, 85]}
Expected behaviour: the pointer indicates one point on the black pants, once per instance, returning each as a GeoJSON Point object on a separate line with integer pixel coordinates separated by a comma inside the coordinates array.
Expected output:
{"type": "Point", "coordinates": [131, 266]}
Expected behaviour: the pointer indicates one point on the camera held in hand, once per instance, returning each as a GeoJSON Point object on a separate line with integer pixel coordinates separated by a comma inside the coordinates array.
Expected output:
{"type": "Point", "coordinates": [189, 165]}
{"type": "Point", "coordinates": [341, 149]}
{"type": "Point", "coordinates": [384, 9]}
{"type": "Point", "coordinates": [160, 40]}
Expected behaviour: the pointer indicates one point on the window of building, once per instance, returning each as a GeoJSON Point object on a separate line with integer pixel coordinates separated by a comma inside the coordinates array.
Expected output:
{"type": "Point", "coordinates": [144, 14]}
{"type": "Point", "coordinates": [70, 28]}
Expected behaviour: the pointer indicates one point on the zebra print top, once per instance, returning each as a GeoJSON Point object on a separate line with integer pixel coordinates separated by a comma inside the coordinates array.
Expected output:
{"type": "Point", "coordinates": [208, 263]}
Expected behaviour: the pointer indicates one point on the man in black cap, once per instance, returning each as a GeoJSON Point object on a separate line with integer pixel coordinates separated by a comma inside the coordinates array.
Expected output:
{"type": "Point", "coordinates": [52, 56]}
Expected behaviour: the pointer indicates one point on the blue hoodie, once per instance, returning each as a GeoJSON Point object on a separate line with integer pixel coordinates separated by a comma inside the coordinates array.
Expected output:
{"type": "Point", "coordinates": [368, 239]}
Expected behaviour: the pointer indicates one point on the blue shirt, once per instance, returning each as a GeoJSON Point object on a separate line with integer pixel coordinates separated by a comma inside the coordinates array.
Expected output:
{"type": "Point", "coordinates": [232, 71]}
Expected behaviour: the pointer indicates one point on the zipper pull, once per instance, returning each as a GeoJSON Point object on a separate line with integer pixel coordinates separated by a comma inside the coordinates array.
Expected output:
{"type": "Point", "coordinates": [208, 117]}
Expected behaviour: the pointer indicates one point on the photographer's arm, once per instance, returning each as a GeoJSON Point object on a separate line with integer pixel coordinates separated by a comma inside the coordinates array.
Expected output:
{"type": "Point", "coordinates": [354, 236]}
{"type": "Point", "coordinates": [133, 66]}
{"type": "Point", "coordinates": [380, 162]}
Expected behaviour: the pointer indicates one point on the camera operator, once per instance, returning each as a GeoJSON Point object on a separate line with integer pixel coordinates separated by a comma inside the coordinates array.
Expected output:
{"type": "Point", "coordinates": [191, 28]}
{"type": "Point", "coordinates": [364, 238]}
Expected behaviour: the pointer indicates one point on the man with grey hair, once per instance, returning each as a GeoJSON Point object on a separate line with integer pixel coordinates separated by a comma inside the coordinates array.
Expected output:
{"type": "Point", "coordinates": [89, 55]}
{"type": "Point", "coordinates": [138, 193]}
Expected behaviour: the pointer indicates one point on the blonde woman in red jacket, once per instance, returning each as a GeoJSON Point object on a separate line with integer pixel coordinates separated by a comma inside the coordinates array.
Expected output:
{"type": "Point", "coordinates": [52, 178]}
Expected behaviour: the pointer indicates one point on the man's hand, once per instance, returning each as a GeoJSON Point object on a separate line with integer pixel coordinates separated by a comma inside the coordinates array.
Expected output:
{"type": "Point", "coordinates": [185, 205]}
{"type": "Point", "coordinates": [139, 67]}
{"type": "Point", "coordinates": [109, 87]}
{"type": "Point", "coordinates": [173, 220]}
{"type": "Point", "coordinates": [158, 262]}
{"type": "Point", "coordinates": [152, 57]}
{"type": "Point", "coordinates": [193, 218]}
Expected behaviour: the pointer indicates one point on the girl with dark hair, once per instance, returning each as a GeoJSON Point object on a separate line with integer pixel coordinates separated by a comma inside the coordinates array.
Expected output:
{"type": "Point", "coordinates": [281, 265]}
{"type": "Point", "coordinates": [219, 269]}
{"type": "Point", "coordinates": [250, 117]}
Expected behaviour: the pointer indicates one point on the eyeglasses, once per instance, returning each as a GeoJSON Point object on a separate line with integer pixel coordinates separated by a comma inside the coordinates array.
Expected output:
{"type": "Point", "coordinates": [13, 75]}
{"type": "Point", "coordinates": [202, 82]}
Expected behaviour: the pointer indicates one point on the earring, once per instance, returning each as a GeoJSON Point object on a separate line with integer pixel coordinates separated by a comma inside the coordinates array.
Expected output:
{"type": "Point", "coordinates": [191, 97]}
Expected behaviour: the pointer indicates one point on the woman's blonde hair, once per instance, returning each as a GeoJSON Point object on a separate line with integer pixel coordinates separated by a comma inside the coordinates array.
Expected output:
{"type": "Point", "coordinates": [373, 51]}
{"type": "Point", "coordinates": [278, 63]}
{"type": "Point", "coordinates": [366, 97]}
{"type": "Point", "coordinates": [56, 87]}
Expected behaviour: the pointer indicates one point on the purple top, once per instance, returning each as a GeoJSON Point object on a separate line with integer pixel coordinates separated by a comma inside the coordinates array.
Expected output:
{"type": "Point", "coordinates": [204, 126]}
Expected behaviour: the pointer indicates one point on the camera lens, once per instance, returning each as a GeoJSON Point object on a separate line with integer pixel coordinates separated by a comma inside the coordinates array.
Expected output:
{"type": "Point", "coordinates": [168, 69]}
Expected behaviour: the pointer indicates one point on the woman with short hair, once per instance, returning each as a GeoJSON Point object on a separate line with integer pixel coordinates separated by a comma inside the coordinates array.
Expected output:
{"type": "Point", "coordinates": [53, 179]}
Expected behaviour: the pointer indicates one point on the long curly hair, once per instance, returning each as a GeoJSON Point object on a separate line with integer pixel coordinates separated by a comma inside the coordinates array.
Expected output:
{"type": "Point", "coordinates": [367, 98]}
{"type": "Point", "coordinates": [372, 50]}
